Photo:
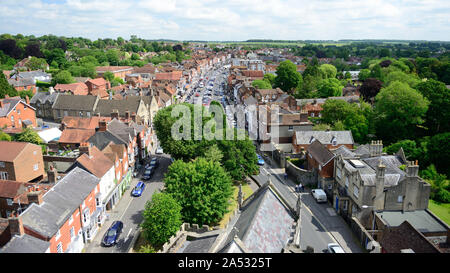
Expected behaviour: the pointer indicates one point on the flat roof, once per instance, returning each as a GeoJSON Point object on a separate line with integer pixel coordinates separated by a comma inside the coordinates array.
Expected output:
{"type": "Point", "coordinates": [419, 219]}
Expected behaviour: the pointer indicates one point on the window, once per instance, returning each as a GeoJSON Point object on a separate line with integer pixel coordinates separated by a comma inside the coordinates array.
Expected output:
{"type": "Point", "coordinates": [72, 232]}
{"type": "Point", "coordinates": [9, 201]}
{"type": "Point", "coordinates": [4, 175]}
{"type": "Point", "coordinates": [58, 234]}
{"type": "Point", "coordinates": [312, 114]}
{"type": "Point", "coordinates": [66, 113]}
{"type": "Point", "coordinates": [291, 128]}
{"type": "Point", "coordinates": [12, 119]}
{"type": "Point", "coordinates": [71, 219]}
{"type": "Point", "coordinates": [88, 114]}
{"type": "Point", "coordinates": [346, 182]}
{"type": "Point", "coordinates": [334, 142]}
{"type": "Point", "coordinates": [2, 164]}
{"type": "Point", "coordinates": [18, 112]}
{"type": "Point", "coordinates": [36, 167]}
{"type": "Point", "coordinates": [97, 202]}
{"type": "Point", "coordinates": [59, 248]}
{"type": "Point", "coordinates": [400, 199]}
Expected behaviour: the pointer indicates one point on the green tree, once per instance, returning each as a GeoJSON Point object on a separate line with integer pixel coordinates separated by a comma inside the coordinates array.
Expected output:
{"type": "Point", "coordinates": [400, 76]}
{"type": "Point", "coordinates": [330, 88]}
{"type": "Point", "coordinates": [287, 79]}
{"type": "Point", "coordinates": [399, 109]}
{"type": "Point", "coordinates": [6, 88]}
{"type": "Point", "coordinates": [438, 94]}
{"type": "Point", "coordinates": [412, 152]}
{"type": "Point", "coordinates": [438, 148]}
{"type": "Point", "coordinates": [109, 76]}
{"type": "Point", "coordinates": [363, 74]}
{"type": "Point", "coordinates": [213, 154]}
{"type": "Point", "coordinates": [269, 78]}
{"type": "Point", "coordinates": [4, 136]}
{"type": "Point", "coordinates": [37, 63]}
{"type": "Point", "coordinates": [328, 71]}
{"type": "Point", "coordinates": [201, 187]}
{"type": "Point", "coordinates": [261, 84]}
{"type": "Point", "coordinates": [162, 219]}
{"type": "Point", "coordinates": [28, 135]}
{"type": "Point", "coordinates": [63, 77]}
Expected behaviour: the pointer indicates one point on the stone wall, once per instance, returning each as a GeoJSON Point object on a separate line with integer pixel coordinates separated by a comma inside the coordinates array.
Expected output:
{"type": "Point", "coordinates": [300, 175]}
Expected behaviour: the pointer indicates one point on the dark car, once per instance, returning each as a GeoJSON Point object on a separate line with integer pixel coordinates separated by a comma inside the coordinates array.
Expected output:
{"type": "Point", "coordinates": [154, 162]}
{"type": "Point", "coordinates": [148, 173]}
{"type": "Point", "coordinates": [137, 191]}
{"type": "Point", "coordinates": [111, 237]}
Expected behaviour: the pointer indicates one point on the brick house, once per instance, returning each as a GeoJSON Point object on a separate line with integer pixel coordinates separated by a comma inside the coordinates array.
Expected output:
{"type": "Point", "coordinates": [16, 113]}
{"type": "Point", "coordinates": [43, 102]}
{"type": "Point", "coordinates": [98, 87]}
{"type": "Point", "coordinates": [78, 88]}
{"type": "Point", "coordinates": [61, 220]}
{"type": "Point", "coordinates": [21, 161]}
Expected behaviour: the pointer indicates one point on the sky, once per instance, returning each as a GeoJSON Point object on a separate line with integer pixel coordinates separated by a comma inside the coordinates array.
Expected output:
{"type": "Point", "coordinates": [229, 20]}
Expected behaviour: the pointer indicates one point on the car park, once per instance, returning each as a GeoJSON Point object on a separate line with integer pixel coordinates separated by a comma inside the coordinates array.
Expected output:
{"type": "Point", "coordinates": [137, 191]}
{"type": "Point", "coordinates": [319, 195]}
{"type": "Point", "coordinates": [112, 235]}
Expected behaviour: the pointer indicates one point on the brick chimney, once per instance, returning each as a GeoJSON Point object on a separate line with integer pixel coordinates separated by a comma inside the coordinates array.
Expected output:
{"type": "Point", "coordinates": [85, 148]}
{"type": "Point", "coordinates": [16, 225]}
{"type": "Point", "coordinates": [52, 175]}
{"type": "Point", "coordinates": [133, 116]}
{"type": "Point", "coordinates": [27, 100]}
{"type": "Point", "coordinates": [102, 126]}
{"type": "Point", "coordinates": [379, 186]}
{"type": "Point", "coordinates": [1, 103]}
{"type": "Point", "coordinates": [35, 197]}
{"type": "Point", "coordinates": [115, 114]}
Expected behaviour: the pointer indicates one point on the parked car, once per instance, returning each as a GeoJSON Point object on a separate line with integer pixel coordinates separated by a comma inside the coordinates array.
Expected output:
{"type": "Point", "coordinates": [260, 160]}
{"type": "Point", "coordinates": [159, 150]}
{"type": "Point", "coordinates": [154, 162]}
{"type": "Point", "coordinates": [137, 191]}
{"type": "Point", "coordinates": [148, 173]}
{"type": "Point", "coordinates": [111, 236]}
{"type": "Point", "coordinates": [319, 195]}
{"type": "Point", "coordinates": [335, 248]}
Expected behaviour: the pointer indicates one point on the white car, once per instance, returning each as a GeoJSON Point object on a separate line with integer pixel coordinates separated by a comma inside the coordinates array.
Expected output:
{"type": "Point", "coordinates": [319, 195]}
{"type": "Point", "coordinates": [159, 150]}
{"type": "Point", "coordinates": [335, 248]}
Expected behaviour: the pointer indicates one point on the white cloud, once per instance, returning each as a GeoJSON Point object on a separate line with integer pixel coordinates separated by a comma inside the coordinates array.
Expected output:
{"type": "Point", "coordinates": [231, 19]}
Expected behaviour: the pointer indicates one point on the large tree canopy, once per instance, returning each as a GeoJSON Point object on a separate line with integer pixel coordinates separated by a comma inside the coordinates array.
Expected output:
{"type": "Point", "coordinates": [201, 187]}
{"type": "Point", "coordinates": [399, 109]}
{"type": "Point", "coordinates": [287, 79]}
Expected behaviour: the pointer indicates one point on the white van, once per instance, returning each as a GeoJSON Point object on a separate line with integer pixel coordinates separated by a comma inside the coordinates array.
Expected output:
{"type": "Point", "coordinates": [319, 195]}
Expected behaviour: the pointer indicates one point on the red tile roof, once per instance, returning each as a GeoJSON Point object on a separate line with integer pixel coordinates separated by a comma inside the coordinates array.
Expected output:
{"type": "Point", "coordinates": [79, 88]}
{"type": "Point", "coordinates": [253, 73]}
{"type": "Point", "coordinates": [174, 75]}
{"type": "Point", "coordinates": [96, 163]}
{"type": "Point", "coordinates": [76, 136]}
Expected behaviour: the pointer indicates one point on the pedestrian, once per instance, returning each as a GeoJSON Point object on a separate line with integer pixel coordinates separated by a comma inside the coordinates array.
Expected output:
{"type": "Point", "coordinates": [285, 176]}
{"type": "Point", "coordinates": [300, 187]}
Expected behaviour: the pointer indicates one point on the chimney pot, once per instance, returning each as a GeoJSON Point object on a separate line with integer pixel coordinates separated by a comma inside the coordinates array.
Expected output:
{"type": "Point", "coordinates": [16, 225]}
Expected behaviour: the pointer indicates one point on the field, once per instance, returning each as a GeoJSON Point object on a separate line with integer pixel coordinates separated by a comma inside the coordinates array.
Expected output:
{"type": "Point", "coordinates": [442, 210]}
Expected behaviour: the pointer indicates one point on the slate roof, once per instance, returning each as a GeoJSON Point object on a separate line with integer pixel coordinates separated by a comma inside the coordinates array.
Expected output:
{"type": "Point", "coordinates": [8, 105]}
{"type": "Point", "coordinates": [325, 137]}
{"type": "Point", "coordinates": [73, 102]}
{"type": "Point", "coordinates": [320, 153]}
{"type": "Point", "coordinates": [344, 151]}
{"type": "Point", "coordinates": [25, 244]}
{"type": "Point", "coordinates": [59, 203]}
{"type": "Point", "coordinates": [106, 107]}
{"type": "Point", "coordinates": [21, 82]}
{"type": "Point", "coordinates": [102, 139]}
{"type": "Point", "coordinates": [264, 225]}
{"type": "Point", "coordinates": [43, 97]}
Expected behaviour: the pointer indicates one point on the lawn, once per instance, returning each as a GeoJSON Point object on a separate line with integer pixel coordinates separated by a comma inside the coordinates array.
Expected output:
{"type": "Point", "coordinates": [442, 210]}
{"type": "Point", "coordinates": [233, 204]}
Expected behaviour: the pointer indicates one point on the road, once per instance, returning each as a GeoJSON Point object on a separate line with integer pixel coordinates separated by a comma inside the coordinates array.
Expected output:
{"type": "Point", "coordinates": [129, 211]}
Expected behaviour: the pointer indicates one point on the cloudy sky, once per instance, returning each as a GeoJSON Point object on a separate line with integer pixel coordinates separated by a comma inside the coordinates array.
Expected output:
{"type": "Point", "coordinates": [228, 20]}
